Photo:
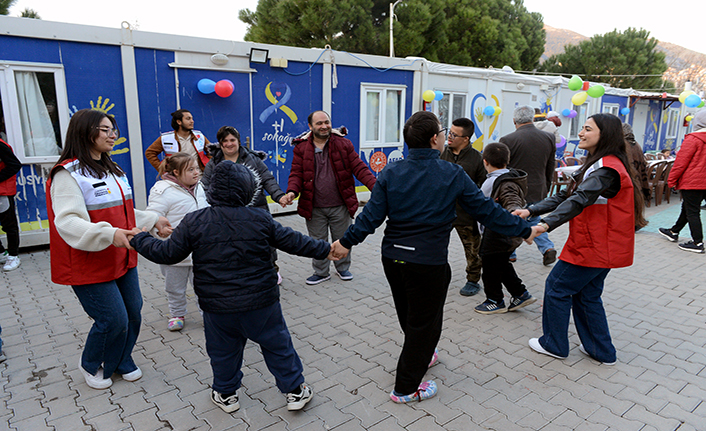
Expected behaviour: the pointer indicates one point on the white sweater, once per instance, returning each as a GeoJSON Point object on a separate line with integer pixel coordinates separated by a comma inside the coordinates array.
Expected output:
{"type": "Point", "coordinates": [72, 221]}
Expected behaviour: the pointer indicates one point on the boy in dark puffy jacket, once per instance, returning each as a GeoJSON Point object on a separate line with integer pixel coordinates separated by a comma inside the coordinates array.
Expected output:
{"type": "Point", "coordinates": [236, 283]}
{"type": "Point", "coordinates": [507, 187]}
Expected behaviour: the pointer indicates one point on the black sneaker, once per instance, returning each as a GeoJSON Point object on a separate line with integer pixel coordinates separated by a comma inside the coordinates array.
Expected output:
{"type": "Point", "coordinates": [671, 236]}
{"type": "Point", "coordinates": [691, 246]}
{"type": "Point", "coordinates": [228, 404]}
{"type": "Point", "coordinates": [549, 257]}
{"type": "Point", "coordinates": [491, 307]}
{"type": "Point", "coordinates": [523, 300]}
{"type": "Point", "coordinates": [298, 401]}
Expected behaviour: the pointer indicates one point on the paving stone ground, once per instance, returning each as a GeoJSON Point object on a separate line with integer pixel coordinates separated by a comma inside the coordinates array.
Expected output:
{"type": "Point", "coordinates": [348, 338]}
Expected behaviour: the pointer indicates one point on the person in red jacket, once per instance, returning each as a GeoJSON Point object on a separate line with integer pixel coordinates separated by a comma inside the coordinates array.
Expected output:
{"type": "Point", "coordinates": [689, 176]}
{"type": "Point", "coordinates": [9, 167]}
{"type": "Point", "coordinates": [323, 168]}
{"type": "Point", "coordinates": [603, 205]}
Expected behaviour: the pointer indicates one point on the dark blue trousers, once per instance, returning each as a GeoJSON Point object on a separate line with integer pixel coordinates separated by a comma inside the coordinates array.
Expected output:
{"type": "Point", "coordinates": [578, 288]}
{"type": "Point", "coordinates": [226, 335]}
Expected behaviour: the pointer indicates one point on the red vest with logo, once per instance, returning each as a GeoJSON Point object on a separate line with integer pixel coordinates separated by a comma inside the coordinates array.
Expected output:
{"type": "Point", "coordinates": [603, 235]}
{"type": "Point", "coordinates": [170, 144]}
{"type": "Point", "coordinates": [9, 186]}
{"type": "Point", "coordinates": [107, 199]}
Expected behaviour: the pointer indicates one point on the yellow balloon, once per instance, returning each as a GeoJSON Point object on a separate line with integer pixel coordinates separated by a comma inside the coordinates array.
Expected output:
{"type": "Point", "coordinates": [497, 111]}
{"type": "Point", "coordinates": [689, 118]}
{"type": "Point", "coordinates": [428, 95]}
{"type": "Point", "coordinates": [579, 98]}
{"type": "Point", "coordinates": [684, 95]}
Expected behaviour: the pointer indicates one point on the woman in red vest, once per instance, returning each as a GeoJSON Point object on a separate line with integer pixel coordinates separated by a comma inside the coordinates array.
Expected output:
{"type": "Point", "coordinates": [91, 214]}
{"type": "Point", "coordinates": [603, 207]}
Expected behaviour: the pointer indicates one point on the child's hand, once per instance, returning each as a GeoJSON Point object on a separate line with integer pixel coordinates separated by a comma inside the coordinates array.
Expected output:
{"type": "Point", "coordinates": [338, 250]}
{"type": "Point", "coordinates": [164, 228]}
{"type": "Point", "coordinates": [331, 256]}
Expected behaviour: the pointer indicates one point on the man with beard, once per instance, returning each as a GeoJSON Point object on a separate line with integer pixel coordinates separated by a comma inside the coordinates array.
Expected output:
{"type": "Point", "coordinates": [183, 139]}
{"type": "Point", "coordinates": [323, 168]}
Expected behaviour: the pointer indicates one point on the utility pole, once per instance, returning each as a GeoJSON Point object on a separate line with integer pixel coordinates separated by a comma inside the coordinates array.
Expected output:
{"type": "Point", "coordinates": [392, 18]}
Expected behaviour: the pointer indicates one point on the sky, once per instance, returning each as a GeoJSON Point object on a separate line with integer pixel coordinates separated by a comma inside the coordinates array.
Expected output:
{"type": "Point", "coordinates": [218, 19]}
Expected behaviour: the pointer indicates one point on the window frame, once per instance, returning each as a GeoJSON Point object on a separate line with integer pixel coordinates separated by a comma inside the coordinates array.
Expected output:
{"type": "Point", "coordinates": [579, 120]}
{"type": "Point", "coordinates": [381, 89]}
{"type": "Point", "coordinates": [672, 129]}
{"type": "Point", "coordinates": [451, 95]}
{"type": "Point", "coordinates": [611, 108]}
{"type": "Point", "coordinates": [10, 105]}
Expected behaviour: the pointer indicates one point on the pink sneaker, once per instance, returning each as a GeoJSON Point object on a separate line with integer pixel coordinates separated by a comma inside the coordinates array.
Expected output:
{"type": "Point", "coordinates": [425, 391]}
{"type": "Point", "coordinates": [176, 324]}
{"type": "Point", "coordinates": [434, 358]}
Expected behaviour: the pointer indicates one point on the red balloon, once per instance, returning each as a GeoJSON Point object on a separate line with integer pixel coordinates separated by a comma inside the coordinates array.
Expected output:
{"type": "Point", "coordinates": [224, 88]}
{"type": "Point", "coordinates": [664, 95]}
{"type": "Point", "coordinates": [585, 85]}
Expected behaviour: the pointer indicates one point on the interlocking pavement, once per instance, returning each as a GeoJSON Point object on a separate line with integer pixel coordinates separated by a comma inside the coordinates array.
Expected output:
{"type": "Point", "coordinates": [347, 335]}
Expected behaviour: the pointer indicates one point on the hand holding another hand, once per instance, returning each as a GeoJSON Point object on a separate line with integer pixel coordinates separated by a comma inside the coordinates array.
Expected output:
{"type": "Point", "coordinates": [521, 212]}
{"type": "Point", "coordinates": [164, 228]}
{"type": "Point", "coordinates": [338, 250]}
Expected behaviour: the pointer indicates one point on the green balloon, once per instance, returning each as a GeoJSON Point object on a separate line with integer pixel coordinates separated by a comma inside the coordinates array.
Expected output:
{"type": "Point", "coordinates": [596, 91]}
{"type": "Point", "coordinates": [701, 105]}
{"type": "Point", "coordinates": [575, 83]}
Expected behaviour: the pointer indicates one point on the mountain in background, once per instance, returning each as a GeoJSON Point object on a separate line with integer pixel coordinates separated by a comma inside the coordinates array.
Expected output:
{"type": "Point", "coordinates": [684, 64]}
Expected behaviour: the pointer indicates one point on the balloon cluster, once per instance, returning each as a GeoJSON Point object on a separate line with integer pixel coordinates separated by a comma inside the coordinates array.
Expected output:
{"type": "Point", "coordinates": [576, 83]}
{"type": "Point", "coordinates": [430, 95]}
{"type": "Point", "coordinates": [691, 99]}
{"type": "Point", "coordinates": [223, 88]}
{"type": "Point", "coordinates": [492, 111]}
{"type": "Point", "coordinates": [569, 113]}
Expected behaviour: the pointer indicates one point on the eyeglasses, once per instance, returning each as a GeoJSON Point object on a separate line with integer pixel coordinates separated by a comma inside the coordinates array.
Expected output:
{"type": "Point", "coordinates": [109, 131]}
{"type": "Point", "coordinates": [444, 130]}
{"type": "Point", "coordinates": [452, 135]}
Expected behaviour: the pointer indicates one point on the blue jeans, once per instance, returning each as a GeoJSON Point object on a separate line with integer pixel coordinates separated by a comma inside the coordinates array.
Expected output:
{"type": "Point", "coordinates": [543, 242]}
{"type": "Point", "coordinates": [115, 309]}
{"type": "Point", "coordinates": [226, 335]}
{"type": "Point", "coordinates": [571, 286]}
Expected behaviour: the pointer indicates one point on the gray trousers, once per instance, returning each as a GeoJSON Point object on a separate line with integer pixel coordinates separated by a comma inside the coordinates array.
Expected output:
{"type": "Point", "coordinates": [176, 278]}
{"type": "Point", "coordinates": [323, 220]}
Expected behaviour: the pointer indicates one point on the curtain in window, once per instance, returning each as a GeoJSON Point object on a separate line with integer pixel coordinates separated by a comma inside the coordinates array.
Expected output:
{"type": "Point", "coordinates": [393, 106]}
{"type": "Point", "coordinates": [372, 116]}
{"type": "Point", "coordinates": [37, 129]}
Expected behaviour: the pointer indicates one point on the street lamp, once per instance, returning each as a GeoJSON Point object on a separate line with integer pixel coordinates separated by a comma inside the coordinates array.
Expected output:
{"type": "Point", "coordinates": [392, 18]}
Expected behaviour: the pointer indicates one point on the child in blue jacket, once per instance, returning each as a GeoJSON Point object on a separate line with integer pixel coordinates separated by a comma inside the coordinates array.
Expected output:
{"type": "Point", "coordinates": [236, 282]}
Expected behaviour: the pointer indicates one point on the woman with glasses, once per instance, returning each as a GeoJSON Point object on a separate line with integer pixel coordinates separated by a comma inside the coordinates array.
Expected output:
{"type": "Point", "coordinates": [91, 214]}
{"type": "Point", "coordinates": [229, 148]}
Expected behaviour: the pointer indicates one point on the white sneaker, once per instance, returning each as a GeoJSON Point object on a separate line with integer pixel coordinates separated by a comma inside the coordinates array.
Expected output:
{"type": "Point", "coordinates": [92, 381]}
{"type": "Point", "coordinates": [3, 256]}
{"type": "Point", "coordinates": [133, 375]}
{"type": "Point", "coordinates": [11, 264]}
{"type": "Point", "coordinates": [534, 345]}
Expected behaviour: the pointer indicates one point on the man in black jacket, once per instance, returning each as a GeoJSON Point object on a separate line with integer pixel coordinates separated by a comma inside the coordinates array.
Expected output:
{"type": "Point", "coordinates": [533, 151]}
{"type": "Point", "coordinates": [460, 151]}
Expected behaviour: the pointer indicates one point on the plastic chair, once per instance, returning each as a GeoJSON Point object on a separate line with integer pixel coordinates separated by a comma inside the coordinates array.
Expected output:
{"type": "Point", "coordinates": [572, 161]}
{"type": "Point", "coordinates": [557, 182]}
{"type": "Point", "coordinates": [662, 189]}
{"type": "Point", "coordinates": [654, 175]}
